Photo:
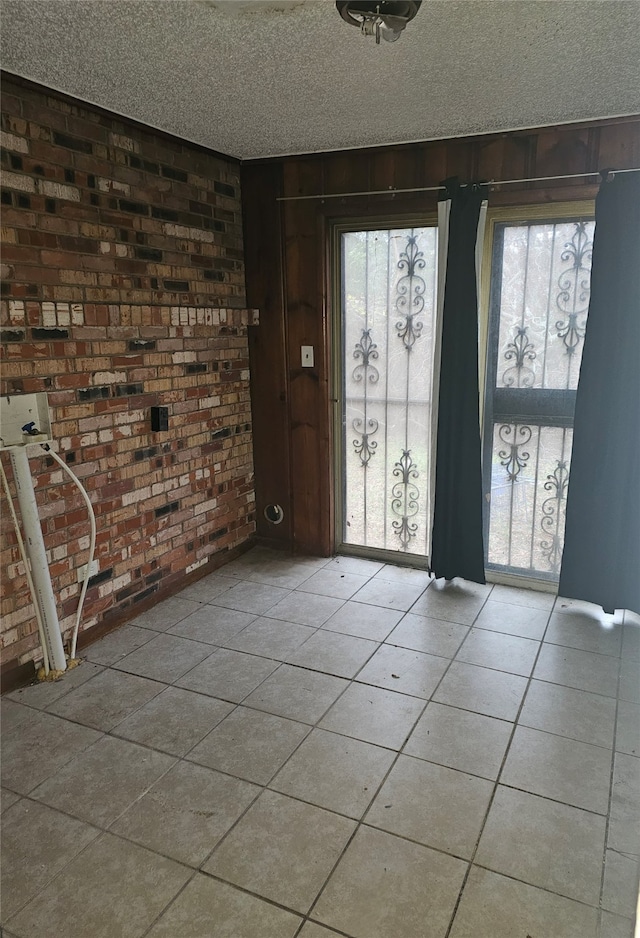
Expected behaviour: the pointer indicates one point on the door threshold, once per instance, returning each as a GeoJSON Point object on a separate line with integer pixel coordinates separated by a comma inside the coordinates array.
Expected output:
{"type": "Point", "coordinates": [421, 563]}
{"type": "Point", "coordinates": [383, 556]}
{"type": "Point", "coordinates": [521, 582]}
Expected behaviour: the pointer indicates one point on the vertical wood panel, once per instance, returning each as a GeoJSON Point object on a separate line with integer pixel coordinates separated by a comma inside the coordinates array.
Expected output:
{"type": "Point", "coordinates": [434, 160]}
{"type": "Point", "coordinates": [305, 312]}
{"type": "Point", "coordinates": [559, 153]}
{"type": "Point", "coordinates": [507, 157]}
{"type": "Point", "coordinates": [400, 169]}
{"type": "Point", "coordinates": [460, 159]}
{"type": "Point", "coordinates": [619, 145]}
{"type": "Point", "coordinates": [347, 172]}
{"type": "Point", "coordinates": [267, 347]}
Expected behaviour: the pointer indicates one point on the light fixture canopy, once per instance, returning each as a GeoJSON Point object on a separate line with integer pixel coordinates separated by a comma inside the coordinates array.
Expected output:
{"type": "Point", "coordinates": [386, 18]}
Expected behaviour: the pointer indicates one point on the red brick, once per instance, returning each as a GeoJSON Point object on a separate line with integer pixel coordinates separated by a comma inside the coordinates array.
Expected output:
{"type": "Point", "coordinates": [61, 253]}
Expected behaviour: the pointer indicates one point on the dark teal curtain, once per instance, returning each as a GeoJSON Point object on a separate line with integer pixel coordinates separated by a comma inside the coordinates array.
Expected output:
{"type": "Point", "coordinates": [456, 539]}
{"type": "Point", "coordinates": [601, 559]}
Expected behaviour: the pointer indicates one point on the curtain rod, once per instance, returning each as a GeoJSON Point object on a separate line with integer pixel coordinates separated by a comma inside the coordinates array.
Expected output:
{"type": "Point", "coordinates": [490, 182]}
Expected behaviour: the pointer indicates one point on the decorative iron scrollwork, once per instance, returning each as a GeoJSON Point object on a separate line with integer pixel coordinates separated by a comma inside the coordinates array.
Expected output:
{"type": "Point", "coordinates": [513, 459]}
{"type": "Point", "coordinates": [367, 351]}
{"type": "Point", "coordinates": [365, 447]}
{"type": "Point", "coordinates": [551, 508]}
{"type": "Point", "coordinates": [405, 498]}
{"type": "Point", "coordinates": [571, 332]}
{"type": "Point", "coordinates": [520, 351]}
{"type": "Point", "coordinates": [574, 283]}
{"type": "Point", "coordinates": [410, 293]}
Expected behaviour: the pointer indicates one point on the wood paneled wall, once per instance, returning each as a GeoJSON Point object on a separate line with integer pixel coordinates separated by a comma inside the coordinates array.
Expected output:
{"type": "Point", "coordinates": [288, 279]}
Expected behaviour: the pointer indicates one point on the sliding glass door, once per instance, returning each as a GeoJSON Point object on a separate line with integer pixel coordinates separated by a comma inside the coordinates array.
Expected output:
{"type": "Point", "coordinates": [537, 280]}
{"type": "Point", "coordinates": [539, 298]}
{"type": "Point", "coordinates": [386, 331]}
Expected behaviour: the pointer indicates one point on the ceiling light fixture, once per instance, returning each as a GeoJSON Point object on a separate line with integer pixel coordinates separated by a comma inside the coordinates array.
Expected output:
{"type": "Point", "coordinates": [386, 18]}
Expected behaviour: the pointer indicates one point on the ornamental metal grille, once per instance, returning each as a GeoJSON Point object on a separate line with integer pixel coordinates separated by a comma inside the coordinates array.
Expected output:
{"type": "Point", "coordinates": [388, 307]}
{"type": "Point", "coordinates": [539, 302]}
{"type": "Point", "coordinates": [544, 298]}
{"type": "Point", "coordinates": [528, 497]}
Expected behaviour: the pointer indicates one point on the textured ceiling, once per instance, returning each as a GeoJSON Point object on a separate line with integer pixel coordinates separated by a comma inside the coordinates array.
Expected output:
{"type": "Point", "coordinates": [265, 78]}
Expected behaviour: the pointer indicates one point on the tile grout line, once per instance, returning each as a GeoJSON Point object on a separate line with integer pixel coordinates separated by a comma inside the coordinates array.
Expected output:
{"type": "Point", "coordinates": [218, 648]}
{"type": "Point", "coordinates": [262, 788]}
{"type": "Point", "coordinates": [107, 829]}
{"type": "Point", "coordinates": [109, 733]}
{"type": "Point", "coordinates": [516, 724]}
{"type": "Point", "coordinates": [168, 905]}
{"type": "Point", "coordinates": [195, 870]}
{"type": "Point", "coordinates": [350, 682]}
{"type": "Point", "coordinates": [361, 821]}
{"type": "Point", "coordinates": [280, 662]}
{"type": "Point", "coordinates": [610, 797]}
{"type": "Point", "coordinates": [495, 785]}
{"type": "Point", "coordinates": [98, 833]}
{"type": "Point", "coordinates": [375, 794]}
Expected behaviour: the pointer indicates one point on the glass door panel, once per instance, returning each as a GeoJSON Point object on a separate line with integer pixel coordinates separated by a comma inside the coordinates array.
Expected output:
{"type": "Point", "coordinates": [540, 282]}
{"type": "Point", "coordinates": [387, 328]}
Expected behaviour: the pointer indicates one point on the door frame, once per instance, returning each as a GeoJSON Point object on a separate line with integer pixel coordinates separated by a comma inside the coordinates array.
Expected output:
{"type": "Point", "coordinates": [406, 217]}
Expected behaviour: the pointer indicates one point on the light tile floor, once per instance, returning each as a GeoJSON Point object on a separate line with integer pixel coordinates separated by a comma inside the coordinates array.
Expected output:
{"type": "Point", "coordinates": [301, 748]}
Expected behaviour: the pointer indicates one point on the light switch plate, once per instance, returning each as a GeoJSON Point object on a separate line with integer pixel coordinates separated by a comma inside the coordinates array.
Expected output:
{"type": "Point", "coordinates": [306, 355]}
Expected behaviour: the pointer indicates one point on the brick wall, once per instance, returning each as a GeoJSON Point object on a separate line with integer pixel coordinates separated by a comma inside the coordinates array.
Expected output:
{"type": "Point", "coordinates": [123, 288]}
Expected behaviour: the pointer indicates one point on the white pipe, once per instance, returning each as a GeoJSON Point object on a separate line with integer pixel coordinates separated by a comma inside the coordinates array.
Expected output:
{"type": "Point", "coordinates": [34, 543]}
{"type": "Point", "coordinates": [92, 544]}
{"type": "Point", "coordinates": [27, 570]}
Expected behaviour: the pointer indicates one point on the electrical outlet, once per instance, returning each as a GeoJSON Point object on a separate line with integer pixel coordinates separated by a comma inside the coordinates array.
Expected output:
{"type": "Point", "coordinates": [82, 571]}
